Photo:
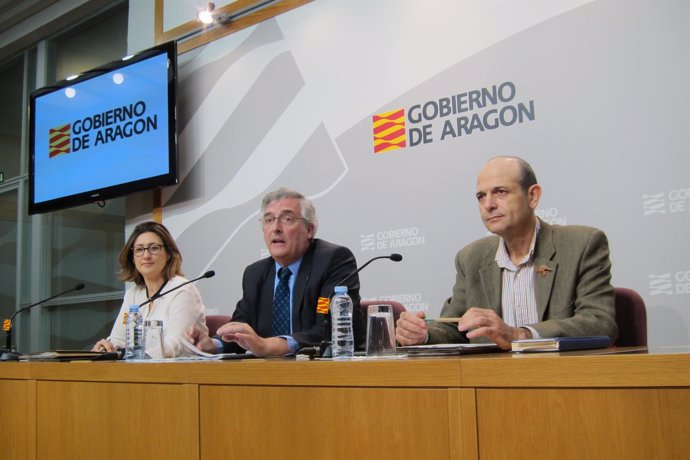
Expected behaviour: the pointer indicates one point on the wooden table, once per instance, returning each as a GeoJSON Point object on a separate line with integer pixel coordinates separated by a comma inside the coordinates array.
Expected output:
{"type": "Point", "coordinates": [629, 404]}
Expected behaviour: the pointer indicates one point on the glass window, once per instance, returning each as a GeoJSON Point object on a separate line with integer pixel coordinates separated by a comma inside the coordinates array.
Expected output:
{"type": "Point", "coordinates": [8, 253]}
{"type": "Point", "coordinates": [11, 118]}
{"type": "Point", "coordinates": [86, 244]}
{"type": "Point", "coordinates": [25, 252]}
{"type": "Point", "coordinates": [79, 326]}
{"type": "Point", "coordinates": [94, 43]}
{"type": "Point", "coordinates": [86, 240]}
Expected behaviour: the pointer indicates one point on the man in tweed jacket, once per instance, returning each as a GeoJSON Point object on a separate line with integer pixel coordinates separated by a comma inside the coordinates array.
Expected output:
{"type": "Point", "coordinates": [530, 279]}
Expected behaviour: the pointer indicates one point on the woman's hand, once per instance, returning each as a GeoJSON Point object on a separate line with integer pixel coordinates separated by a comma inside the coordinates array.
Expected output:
{"type": "Point", "coordinates": [104, 345]}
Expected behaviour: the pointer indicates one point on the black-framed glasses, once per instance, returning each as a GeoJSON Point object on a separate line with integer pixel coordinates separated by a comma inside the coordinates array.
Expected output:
{"type": "Point", "coordinates": [286, 220]}
{"type": "Point", "coordinates": [153, 249]}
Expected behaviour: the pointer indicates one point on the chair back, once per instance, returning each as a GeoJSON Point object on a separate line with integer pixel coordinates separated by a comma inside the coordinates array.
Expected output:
{"type": "Point", "coordinates": [213, 322]}
{"type": "Point", "coordinates": [397, 307]}
{"type": "Point", "coordinates": [631, 317]}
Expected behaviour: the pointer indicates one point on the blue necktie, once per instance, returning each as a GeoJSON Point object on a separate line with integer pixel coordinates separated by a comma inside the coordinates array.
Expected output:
{"type": "Point", "coordinates": [281, 304]}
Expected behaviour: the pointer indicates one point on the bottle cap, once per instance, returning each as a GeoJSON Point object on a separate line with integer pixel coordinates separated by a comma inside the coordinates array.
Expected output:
{"type": "Point", "coordinates": [340, 290]}
{"type": "Point", "coordinates": [134, 308]}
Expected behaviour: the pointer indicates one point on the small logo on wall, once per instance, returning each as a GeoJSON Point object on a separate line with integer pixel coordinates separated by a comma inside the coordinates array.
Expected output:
{"type": "Point", "coordinates": [654, 204]}
{"type": "Point", "coordinates": [59, 140]}
{"type": "Point", "coordinates": [392, 239]}
{"type": "Point", "coordinates": [368, 242]}
{"type": "Point", "coordinates": [551, 216]}
{"type": "Point", "coordinates": [453, 116]}
{"type": "Point", "coordinates": [670, 283]}
{"type": "Point", "coordinates": [412, 301]}
{"type": "Point", "coordinates": [389, 131]}
{"type": "Point", "coordinates": [673, 201]}
{"type": "Point", "coordinates": [660, 284]}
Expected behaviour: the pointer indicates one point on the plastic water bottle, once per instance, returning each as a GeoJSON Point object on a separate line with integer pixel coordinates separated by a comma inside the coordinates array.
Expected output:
{"type": "Point", "coordinates": [133, 334]}
{"type": "Point", "coordinates": [342, 337]}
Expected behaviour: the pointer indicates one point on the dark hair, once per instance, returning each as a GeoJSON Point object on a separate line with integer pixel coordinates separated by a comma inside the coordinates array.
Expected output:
{"type": "Point", "coordinates": [527, 176]}
{"type": "Point", "coordinates": [173, 267]}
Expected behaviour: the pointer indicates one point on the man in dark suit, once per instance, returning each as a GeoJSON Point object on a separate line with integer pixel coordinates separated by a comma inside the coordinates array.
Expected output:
{"type": "Point", "coordinates": [315, 266]}
{"type": "Point", "coordinates": [530, 279]}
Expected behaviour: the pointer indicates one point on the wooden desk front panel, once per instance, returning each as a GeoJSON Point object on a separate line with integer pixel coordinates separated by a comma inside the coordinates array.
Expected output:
{"type": "Point", "coordinates": [18, 409]}
{"type": "Point", "coordinates": [87, 420]}
{"type": "Point", "coordinates": [570, 423]}
{"type": "Point", "coordinates": [324, 423]}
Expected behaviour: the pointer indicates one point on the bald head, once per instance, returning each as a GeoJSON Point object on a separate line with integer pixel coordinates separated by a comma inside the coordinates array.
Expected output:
{"type": "Point", "coordinates": [524, 173]}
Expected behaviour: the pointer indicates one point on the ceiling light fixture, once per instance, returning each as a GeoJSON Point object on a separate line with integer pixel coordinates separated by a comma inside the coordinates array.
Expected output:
{"type": "Point", "coordinates": [209, 16]}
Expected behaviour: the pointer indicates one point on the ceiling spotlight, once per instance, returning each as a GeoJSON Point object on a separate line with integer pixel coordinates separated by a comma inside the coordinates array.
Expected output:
{"type": "Point", "coordinates": [208, 15]}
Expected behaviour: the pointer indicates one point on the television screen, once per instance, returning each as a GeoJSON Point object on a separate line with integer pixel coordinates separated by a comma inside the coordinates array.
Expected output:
{"type": "Point", "coordinates": [105, 133]}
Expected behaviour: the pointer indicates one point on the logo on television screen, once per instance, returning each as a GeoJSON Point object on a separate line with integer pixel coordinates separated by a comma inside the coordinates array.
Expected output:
{"type": "Point", "coordinates": [59, 140]}
{"type": "Point", "coordinates": [102, 128]}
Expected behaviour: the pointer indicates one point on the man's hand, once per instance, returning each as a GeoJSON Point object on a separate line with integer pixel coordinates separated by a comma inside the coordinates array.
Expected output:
{"type": "Point", "coordinates": [482, 322]}
{"type": "Point", "coordinates": [200, 339]}
{"type": "Point", "coordinates": [411, 328]}
{"type": "Point", "coordinates": [247, 338]}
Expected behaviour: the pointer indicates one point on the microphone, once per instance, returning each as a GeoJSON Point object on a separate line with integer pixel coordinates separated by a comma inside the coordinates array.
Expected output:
{"type": "Point", "coordinates": [325, 348]}
{"type": "Point", "coordinates": [10, 354]}
{"type": "Point", "coordinates": [393, 257]}
{"type": "Point", "coordinates": [208, 274]}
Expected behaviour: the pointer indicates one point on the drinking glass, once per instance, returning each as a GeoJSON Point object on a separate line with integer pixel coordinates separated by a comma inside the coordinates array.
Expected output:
{"type": "Point", "coordinates": [153, 339]}
{"type": "Point", "coordinates": [380, 330]}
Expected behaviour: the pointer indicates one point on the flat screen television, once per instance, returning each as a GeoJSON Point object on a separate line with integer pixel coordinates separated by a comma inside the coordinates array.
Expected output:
{"type": "Point", "coordinates": [105, 133]}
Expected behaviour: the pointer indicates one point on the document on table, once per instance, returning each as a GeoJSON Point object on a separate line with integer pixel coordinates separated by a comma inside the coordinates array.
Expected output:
{"type": "Point", "coordinates": [449, 349]}
{"type": "Point", "coordinates": [215, 356]}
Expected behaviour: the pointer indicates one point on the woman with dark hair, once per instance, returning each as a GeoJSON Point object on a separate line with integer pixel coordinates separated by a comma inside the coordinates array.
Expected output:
{"type": "Point", "coordinates": [151, 260]}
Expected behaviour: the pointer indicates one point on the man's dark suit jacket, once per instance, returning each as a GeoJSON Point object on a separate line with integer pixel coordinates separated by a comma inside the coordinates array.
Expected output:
{"type": "Point", "coordinates": [323, 265]}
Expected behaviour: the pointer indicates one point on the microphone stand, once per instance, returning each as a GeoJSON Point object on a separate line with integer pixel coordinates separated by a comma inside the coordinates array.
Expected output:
{"type": "Point", "coordinates": [208, 274]}
{"type": "Point", "coordinates": [9, 353]}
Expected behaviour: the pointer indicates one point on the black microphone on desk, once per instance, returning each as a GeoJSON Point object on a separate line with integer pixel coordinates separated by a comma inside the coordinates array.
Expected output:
{"type": "Point", "coordinates": [9, 353]}
{"type": "Point", "coordinates": [326, 344]}
{"type": "Point", "coordinates": [208, 274]}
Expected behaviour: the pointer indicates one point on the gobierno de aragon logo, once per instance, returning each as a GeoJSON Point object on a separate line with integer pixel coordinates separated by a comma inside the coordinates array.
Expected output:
{"type": "Point", "coordinates": [389, 131]}
{"type": "Point", "coordinates": [59, 140]}
{"type": "Point", "coordinates": [101, 128]}
{"type": "Point", "coordinates": [451, 117]}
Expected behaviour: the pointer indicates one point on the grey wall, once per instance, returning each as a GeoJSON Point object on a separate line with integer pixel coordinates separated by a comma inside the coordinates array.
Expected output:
{"type": "Point", "coordinates": [603, 91]}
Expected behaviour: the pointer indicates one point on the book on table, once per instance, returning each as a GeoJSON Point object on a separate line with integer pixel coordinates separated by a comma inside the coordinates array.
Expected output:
{"type": "Point", "coordinates": [561, 343]}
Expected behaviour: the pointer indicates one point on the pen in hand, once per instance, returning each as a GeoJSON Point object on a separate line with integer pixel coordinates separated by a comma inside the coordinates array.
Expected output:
{"type": "Point", "coordinates": [442, 320]}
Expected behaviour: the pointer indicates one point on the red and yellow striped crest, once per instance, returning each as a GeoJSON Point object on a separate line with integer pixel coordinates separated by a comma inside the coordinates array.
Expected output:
{"type": "Point", "coordinates": [322, 305]}
{"type": "Point", "coordinates": [6, 324]}
{"type": "Point", "coordinates": [389, 131]}
{"type": "Point", "coordinates": [59, 140]}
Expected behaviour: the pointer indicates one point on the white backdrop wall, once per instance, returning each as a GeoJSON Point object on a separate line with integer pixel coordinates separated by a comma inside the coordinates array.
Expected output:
{"type": "Point", "coordinates": [594, 95]}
